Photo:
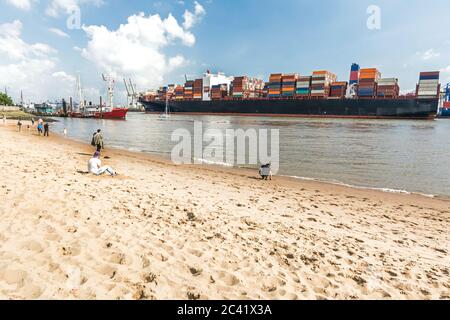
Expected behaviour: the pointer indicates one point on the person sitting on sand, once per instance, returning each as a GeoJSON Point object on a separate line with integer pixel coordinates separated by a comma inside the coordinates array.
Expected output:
{"type": "Point", "coordinates": [265, 172]}
{"type": "Point", "coordinates": [95, 166]}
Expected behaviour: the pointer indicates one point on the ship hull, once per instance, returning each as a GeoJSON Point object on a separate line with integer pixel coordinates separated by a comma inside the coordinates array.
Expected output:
{"type": "Point", "coordinates": [343, 108]}
{"type": "Point", "coordinates": [117, 113]}
{"type": "Point", "coordinates": [445, 113]}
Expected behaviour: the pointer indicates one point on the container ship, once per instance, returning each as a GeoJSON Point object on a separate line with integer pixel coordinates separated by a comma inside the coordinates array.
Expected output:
{"type": "Point", "coordinates": [365, 95]}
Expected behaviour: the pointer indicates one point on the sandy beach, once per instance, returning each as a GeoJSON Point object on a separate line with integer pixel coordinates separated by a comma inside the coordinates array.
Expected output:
{"type": "Point", "coordinates": [160, 231]}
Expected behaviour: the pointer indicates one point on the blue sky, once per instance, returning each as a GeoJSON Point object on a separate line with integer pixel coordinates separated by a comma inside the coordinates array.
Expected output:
{"type": "Point", "coordinates": [253, 37]}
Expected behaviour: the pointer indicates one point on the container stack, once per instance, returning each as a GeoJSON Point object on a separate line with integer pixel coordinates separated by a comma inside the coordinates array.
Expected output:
{"type": "Point", "coordinates": [388, 88]}
{"type": "Point", "coordinates": [288, 84]}
{"type": "Point", "coordinates": [303, 87]}
{"type": "Point", "coordinates": [320, 83]}
{"type": "Point", "coordinates": [428, 87]}
{"type": "Point", "coordinates": [354, 74]}
{"type": "Point", "coordinates": [189, 90]}
{"type": "Point", "coordinates": [198, 88]}
{"type": "Point", "coordinates": [275, 85]}
{"type": "Point", "coordinates": [219, 92]}
{"type": "Point", "coordinates": [240, 87]}
{"type": "Point", "coordinates": [338, 90]}
{"type": "Point", "coordinates": [368, 82]}
{"type": "Point", "coordinates": [162, 93]}
{"type": "Point", "coordinates": [256, 87]}
{"type": "Point", "coordinates": [179, 92]}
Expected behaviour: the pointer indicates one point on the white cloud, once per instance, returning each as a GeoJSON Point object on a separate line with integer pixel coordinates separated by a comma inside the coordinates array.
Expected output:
{"type": "Point", "coordinates": [30, 67]}
{"type": "Point", "coordinates": [190, 19]}
{"type": "Point", "coordinates": [138, 49]}
{"type": "Point", "coordinates": [56, 7]}
{"type": "Point", "coordinates": [59, 32]}
{"type": "Point", "coordinates": [20, 4]}
{"type": "Point", "coordinates": [429, 54]}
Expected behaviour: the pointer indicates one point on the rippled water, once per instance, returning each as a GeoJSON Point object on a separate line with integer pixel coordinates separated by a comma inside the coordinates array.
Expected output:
{"type": "Point", "coordinates": [400, 155]}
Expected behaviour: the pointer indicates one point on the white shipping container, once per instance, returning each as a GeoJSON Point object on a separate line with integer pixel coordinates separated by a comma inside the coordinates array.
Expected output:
{"type": "Point", "coordinates": [429, 81]}
{"type": "Point", "coordinates": [317, 91]}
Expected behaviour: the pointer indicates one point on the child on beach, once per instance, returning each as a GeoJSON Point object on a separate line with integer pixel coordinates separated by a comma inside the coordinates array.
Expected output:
{"type": "Point", "coordinates": [95, 166]}
{"type": "Point", "coordinates": [40, 128]}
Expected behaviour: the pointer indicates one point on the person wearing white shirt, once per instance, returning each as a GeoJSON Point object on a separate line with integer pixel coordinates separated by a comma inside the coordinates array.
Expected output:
{"type": "Point", "coordinates": [95, 166]}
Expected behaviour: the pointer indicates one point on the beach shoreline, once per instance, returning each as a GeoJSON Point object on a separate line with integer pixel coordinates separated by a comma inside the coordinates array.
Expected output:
{"type": "Point", "coordinates": [162, 231]}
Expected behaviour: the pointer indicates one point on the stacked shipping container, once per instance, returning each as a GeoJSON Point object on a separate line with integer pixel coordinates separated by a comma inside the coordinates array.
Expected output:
{"type": "Point", "coordinates": [219, 91]}
{"type": "Point", "coordinates": [388, 88]}
{"type": "Point", "coordinates": [198, 89]}
{"type": "Point", "coordinates": [354, 74]}
{"type": "Point", "coordinates": [303, 86]}
{"type": "Point", "coordinates": [179, 93]}
{"type": "Point", "coordinates": [320, 83]}
{"type": "Point", "coordinates": [275, 85]}
{"type": "Point", "coordinates": [288, 85]}
{"type": "Point", "coordinates": [428, 87]}
{"type": "Point", "coordinates": [240, 87]}
{"type": "Point", "coordinates": [189, 90]}
{"type": "Point", "coordinates": [338, 90]}
{"type": "Point", "coordinates": [368, 81]}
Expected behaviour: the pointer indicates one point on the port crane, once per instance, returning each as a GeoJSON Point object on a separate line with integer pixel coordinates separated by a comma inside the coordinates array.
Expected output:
{"type": "Point", "coordinates": [131, 93]}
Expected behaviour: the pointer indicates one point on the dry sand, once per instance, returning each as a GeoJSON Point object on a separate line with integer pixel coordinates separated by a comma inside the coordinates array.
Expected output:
{"type": "Point", "coordinates": [160, 231]}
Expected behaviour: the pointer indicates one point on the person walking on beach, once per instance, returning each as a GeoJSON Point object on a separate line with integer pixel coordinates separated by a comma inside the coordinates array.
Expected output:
{"type": "Point", "coordinates": [95, 166]}
{"type": "Point", "coordinates": [4, 119]}
{"type": "Point", "coordinates": [98, 140]}
{"type": "Point", "coordinates": [40, 128]}
{"type": "Point", "coordinates": [46, 129]}
{"type": "Point", "coordinates": [65, 132]}
{"type": "Point", "coordinates": [32, 122]}
{"type": "Point", "coordinates": [19, 124]}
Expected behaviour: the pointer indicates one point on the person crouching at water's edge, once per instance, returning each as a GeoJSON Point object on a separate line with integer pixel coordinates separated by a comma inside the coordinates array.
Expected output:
{"type": "Point", "coordinates": [95, 166]}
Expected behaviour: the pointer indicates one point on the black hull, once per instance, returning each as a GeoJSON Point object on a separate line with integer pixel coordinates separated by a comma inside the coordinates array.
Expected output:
{"type": "Point", "coordinates": [346, 108]}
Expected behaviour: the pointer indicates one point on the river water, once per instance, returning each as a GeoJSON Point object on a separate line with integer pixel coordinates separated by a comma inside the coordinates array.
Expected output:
{"type": "Point", "coordinates": [394, 155]}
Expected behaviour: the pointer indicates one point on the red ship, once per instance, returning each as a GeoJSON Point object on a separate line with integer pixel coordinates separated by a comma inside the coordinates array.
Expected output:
{"type": "Point", "coordinates": [114, 113]}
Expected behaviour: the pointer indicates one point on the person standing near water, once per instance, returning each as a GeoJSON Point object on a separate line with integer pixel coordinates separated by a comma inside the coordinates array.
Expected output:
{"type": "Point", "coordinates": [98, 140]}
{"type": "Point", "coordinates": [40, 128]}
{"type": "Point", "coordinates": [19, 124]}
{"type": "Point", "coordinates": [46, 129]}
{"type": "Point", "coordinates": [65, 132]}
{"type": "Point", "coordinates": [4, 119]}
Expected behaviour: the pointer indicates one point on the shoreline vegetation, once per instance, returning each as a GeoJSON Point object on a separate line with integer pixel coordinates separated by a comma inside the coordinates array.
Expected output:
{"type": "Point", "coordinates": [161, 231]}
{"type": "Point", "coordinates": [24, 116]}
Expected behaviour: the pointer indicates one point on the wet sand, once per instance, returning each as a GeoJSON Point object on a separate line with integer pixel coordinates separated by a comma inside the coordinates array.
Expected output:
{"type": "Point", "coordinates": [160, 231]}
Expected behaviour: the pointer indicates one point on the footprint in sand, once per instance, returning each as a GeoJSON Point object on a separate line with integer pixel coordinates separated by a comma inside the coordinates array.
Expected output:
{"type": "Point", "coordinates": [32, 245]}
{"type": "Point", "coordinates": [228, 278]}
